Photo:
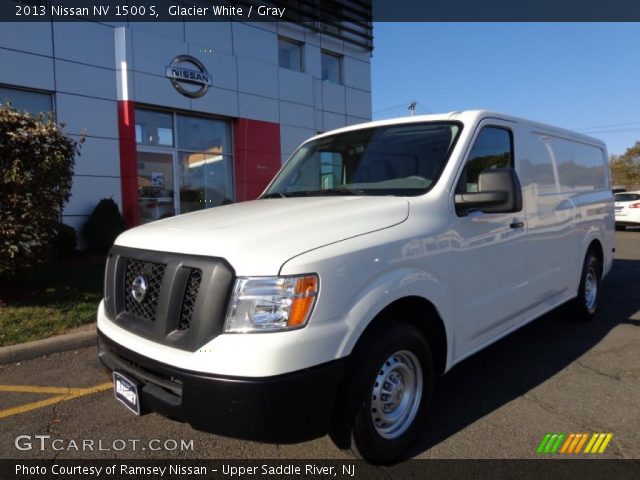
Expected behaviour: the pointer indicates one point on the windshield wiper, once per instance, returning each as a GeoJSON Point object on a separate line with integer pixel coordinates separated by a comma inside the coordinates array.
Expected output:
{"type": "Point", "coordinates": [313, 193]}
{"type": "Point", "coordinates": [332, 191]}
{"type": "Point", "coordinates": [275, 195]}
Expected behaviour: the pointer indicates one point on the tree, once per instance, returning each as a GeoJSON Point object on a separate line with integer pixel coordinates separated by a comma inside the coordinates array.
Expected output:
{"type": "Point", "coordinates": [36, 171]}
{"type": "Point", "coordinates": [625, 168]}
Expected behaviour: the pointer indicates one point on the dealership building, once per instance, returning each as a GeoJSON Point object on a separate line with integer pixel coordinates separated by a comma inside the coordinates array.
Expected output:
{"type": "Point", "coordinates": [180, 116]}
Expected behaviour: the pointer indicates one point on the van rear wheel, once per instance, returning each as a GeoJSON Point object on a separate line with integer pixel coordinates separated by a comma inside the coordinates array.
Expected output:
{"type": "Point", "coordinates": [585, 305]}
{"type": "Point", "coordinates": [394, 381]}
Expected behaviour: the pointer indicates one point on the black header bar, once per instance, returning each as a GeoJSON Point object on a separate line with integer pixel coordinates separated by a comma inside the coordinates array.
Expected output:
{"type": "Point", "coordinates": [314, 12]}
{"type": "Point", "coordinates": [181, 469]}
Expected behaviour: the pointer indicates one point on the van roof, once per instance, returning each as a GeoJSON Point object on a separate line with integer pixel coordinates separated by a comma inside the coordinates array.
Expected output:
{"type": "Point", "coordinates": [466, 117]}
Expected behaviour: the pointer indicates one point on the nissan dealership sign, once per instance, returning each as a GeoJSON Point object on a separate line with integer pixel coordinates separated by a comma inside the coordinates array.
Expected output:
{"type": "Point", "coordinates": [188, 76]}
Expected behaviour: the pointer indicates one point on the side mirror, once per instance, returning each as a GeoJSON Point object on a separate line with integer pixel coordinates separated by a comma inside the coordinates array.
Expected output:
{"type": "Point", "coordinates": [499, 191]}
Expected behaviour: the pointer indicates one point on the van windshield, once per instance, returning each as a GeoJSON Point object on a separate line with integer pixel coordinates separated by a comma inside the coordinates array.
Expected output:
{"type": "Point", "coordinates": [402, 160]}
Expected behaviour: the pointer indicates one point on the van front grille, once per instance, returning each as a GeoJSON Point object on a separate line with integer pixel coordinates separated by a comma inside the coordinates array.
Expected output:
{"type": "Point", "coordinates": [189, 298]}
{"type": "Point", "coordinates": [170, 298]}
{"type": "Point", "coordinates": [151, 274]}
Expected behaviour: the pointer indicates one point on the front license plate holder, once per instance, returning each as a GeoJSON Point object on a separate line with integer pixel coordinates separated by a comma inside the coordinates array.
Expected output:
{"type": "Point", "coordinates": [127, 391]}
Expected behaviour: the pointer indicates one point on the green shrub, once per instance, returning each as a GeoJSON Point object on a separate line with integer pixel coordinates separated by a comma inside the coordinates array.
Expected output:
{"type": "Point", "coordinates": [64, 241]}
{"type": "Point", "coordinates": [103, 226]}
{"type": "Point", "coordinates": [36, 171]}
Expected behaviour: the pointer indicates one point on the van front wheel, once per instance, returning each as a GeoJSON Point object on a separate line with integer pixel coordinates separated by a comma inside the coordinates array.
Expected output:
{"type": "Point", "coordinates": [397, 379]}
{"type": "Point", "coordinates": [585, 305]}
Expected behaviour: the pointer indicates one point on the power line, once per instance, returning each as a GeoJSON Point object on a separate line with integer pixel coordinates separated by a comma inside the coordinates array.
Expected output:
{"type": "Point", "coordinates": [607, 126]}
{"type": "Point", "coordinates": [426, 110]}
{"type": "Point", "coordinates": [615, 131]}
{"type": "Point", "coordinates": [395, 107]}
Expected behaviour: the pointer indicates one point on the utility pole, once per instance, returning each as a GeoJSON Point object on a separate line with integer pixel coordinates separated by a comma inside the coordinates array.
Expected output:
{"type": "Point", "coordinates": [412, 107]}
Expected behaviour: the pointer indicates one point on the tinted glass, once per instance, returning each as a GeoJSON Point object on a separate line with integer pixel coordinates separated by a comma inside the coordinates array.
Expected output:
{"type": "Point", "coordinates": [626, 197]}
{"type": "Point", "coordinates": [155, 186]}
{"type": "Point", "coordinates": [204, 135]}
{"type": "Point", "coordinates": [205, 181]}
{"type": "Point", "coordinates": [32, 102]}
{"type": "Point", "coordinates": [390, 160]}
{"type": "Point", "coordinates": [290, 54]}
{"type": "Point", "coordinates": [492, 149]}
{"type": "Point", "coordinates": [331, 68]}
{"type": "Point", "coordinates": [154, 128]}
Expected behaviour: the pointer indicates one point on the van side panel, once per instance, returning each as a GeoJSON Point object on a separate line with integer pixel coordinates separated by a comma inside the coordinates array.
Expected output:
{"type": "Point", "coordinates": [567, 203]}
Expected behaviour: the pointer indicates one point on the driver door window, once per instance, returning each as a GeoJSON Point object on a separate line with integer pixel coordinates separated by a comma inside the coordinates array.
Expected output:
{"type": "Point", "coordinates": [493, 148]}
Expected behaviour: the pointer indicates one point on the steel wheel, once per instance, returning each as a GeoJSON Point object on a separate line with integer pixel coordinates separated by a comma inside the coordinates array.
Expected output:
{"type": "Point", "coordinates": [585, 305]}
{"type": "Point", "coordinates": [591, 289]}
{"type": "Point", "coordinates": [388, 385]}
{"type": "Point", "coordinates": [396, 394]}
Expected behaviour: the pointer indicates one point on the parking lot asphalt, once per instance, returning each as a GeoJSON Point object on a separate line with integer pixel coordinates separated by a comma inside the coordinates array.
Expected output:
{"type": "Point", "coordinates": [552, 376]}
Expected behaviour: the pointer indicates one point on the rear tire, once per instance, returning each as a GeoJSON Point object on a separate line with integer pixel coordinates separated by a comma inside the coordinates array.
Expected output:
{"type": "Point", "coordinates": [585, 306]}
{"type": "Point", "coordinates": [392, 382]}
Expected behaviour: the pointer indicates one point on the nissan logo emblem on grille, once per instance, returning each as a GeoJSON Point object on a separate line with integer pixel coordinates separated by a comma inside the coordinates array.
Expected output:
{"type": "Point", "coordinates": [139, 288]}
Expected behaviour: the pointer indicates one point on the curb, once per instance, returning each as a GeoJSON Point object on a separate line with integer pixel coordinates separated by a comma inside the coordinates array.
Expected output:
{"type": "Point", "coordinates": [81, 337]}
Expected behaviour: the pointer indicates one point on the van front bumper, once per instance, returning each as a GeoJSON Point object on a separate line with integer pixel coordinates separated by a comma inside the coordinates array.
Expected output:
{"type": "Point", "coordinates": [286, 408]}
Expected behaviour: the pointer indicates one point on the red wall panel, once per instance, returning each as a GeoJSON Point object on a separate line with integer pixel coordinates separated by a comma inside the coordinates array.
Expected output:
{"type": "Point", "coordinates": [128, 165]}
{"type": "Point", "coordinates": [256, 156]}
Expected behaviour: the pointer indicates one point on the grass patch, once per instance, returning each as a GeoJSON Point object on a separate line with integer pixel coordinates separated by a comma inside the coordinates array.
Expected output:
{"type": "Point", "coordinates": [51, 300]}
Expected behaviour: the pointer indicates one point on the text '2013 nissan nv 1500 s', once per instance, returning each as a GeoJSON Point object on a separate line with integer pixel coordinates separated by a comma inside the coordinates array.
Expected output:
{"type": "Point", "coordinates": [380, 256]}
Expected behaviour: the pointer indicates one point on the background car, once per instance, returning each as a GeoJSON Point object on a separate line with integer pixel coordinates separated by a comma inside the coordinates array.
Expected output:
{"type": "Point", "coordinates": [627, 207]}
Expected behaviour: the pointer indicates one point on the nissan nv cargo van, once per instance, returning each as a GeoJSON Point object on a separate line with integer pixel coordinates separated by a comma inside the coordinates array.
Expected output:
{"type": "Point", "coordinates": [379, 257]}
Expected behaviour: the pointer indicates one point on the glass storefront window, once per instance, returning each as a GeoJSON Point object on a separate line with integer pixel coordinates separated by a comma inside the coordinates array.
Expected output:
{"type": "Point", "coordinates": [199, 154]}
{"type": "Point", "coordinates": [32, 102]}
{"type": "Point", "coordinates": [155, 186]}
{"type": "Point", "coordinates": [203, 135]}
{"type": "Point", "coordinates": [205, 181]}
{"type": "Point", "coordinates": [154, 128]}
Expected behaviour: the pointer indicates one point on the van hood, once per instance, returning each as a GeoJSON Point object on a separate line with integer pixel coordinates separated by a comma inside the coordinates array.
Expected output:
{"type": "Point", "coordinates": [259, 236]}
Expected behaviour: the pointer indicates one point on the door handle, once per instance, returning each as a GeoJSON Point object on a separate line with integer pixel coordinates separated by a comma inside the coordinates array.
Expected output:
{"type": "Point", "coordinates": [516, 224]}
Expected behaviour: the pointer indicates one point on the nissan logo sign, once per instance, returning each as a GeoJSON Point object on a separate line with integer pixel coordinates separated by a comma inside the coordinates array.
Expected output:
{"type": "Point", "coordinates": [139, 288]}
{"type": "Point", "coordinates": [188, 76]}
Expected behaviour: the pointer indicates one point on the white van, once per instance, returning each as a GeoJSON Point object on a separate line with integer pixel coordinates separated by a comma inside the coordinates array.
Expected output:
{"type": "Point", "coordinates": [380, 256]}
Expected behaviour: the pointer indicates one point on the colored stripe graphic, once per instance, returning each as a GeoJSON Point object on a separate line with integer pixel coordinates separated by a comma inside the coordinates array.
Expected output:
{"type": "Point", "coordinates": [550, 443]}
{"type": "Point", "coordinates": [581, 443]}
{"type": "Point", "coordinates": [556, 445]}
{"type": "Point", "coordinates": [573, 443]}
{"type": "Point", "coordinates": [591, 442]}
{"type": "Point", "coordinates": [598, 442]}
{"type": "Point", "coordinates": [567, 442]}
{"type": "Point", "coordinates": [543, 443]}
{"type": "Point", "coordinates": [606, 441]}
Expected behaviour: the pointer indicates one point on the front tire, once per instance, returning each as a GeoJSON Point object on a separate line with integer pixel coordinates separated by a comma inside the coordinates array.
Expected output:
{"type": "Point", "coordinates": [395, 382]}
{"type": "Point", "coordinates": [585, 306]}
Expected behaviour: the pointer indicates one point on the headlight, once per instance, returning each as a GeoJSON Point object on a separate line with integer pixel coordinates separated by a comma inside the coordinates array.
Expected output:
{"type": "Point", "coordinates": [267, 304]}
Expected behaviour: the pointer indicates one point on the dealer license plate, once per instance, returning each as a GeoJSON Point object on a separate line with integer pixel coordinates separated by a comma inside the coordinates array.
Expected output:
{"type": "Point", "coordinates": [126, 391]}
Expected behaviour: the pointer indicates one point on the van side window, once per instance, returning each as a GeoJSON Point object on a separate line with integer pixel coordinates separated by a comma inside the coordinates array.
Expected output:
{"type": "Point", "coordinates": [492, 149]}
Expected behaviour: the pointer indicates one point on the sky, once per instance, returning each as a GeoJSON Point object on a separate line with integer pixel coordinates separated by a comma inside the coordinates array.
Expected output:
{"type": "Point", "coordinates": [580, 76]}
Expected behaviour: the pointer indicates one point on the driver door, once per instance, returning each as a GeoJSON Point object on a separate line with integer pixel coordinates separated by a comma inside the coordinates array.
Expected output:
{"type": "Point", "coordinates": [490, 265]}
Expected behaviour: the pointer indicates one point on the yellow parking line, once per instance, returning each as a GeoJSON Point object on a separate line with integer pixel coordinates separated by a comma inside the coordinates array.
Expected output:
{"type": "Point", "coordinates": [64, 394]}
{"type": "Point", "coordinates": [34, 389]}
